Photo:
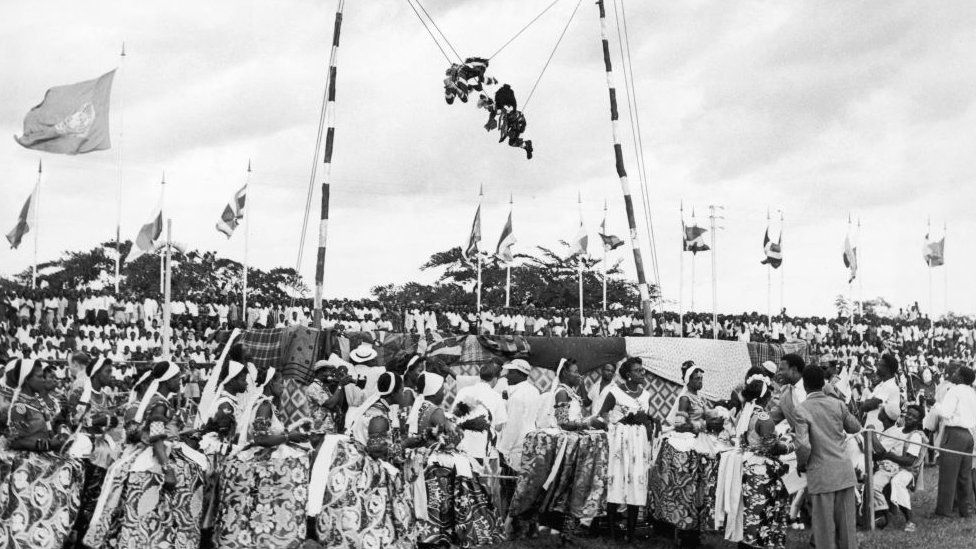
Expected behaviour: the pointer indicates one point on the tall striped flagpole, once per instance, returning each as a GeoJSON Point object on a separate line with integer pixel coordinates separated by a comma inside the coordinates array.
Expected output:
{"type": "Point", "coordinates": [327, 168]}
{"type": "Point", "coordinates": [645, 293]}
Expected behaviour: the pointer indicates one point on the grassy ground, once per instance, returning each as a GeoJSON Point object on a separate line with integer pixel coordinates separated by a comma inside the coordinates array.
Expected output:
{"type": "Point", "coordinates": [933, 532]}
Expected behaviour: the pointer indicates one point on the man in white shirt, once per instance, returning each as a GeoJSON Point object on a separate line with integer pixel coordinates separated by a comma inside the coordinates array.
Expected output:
{"type": "Point", "coordinates": [885, 396]}
{"type": "Point", "coordinates": [958, 415]}
{"type": "Point", "coordinates": [599, 390]}
{"type": "Point", "coordinates": [481, 400]}
{"type": "Point", "coordinates": [523, 400]}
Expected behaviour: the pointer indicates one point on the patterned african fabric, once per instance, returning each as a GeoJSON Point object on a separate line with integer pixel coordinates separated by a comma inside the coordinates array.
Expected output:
{"type": "Point", "coordinates": [135, 510]}
{"type": "Point", "coordinates": [263, 492]}
{"type": "Point", "coordinates": [724, 362]}
{"type": "Point", "coordinates": [42, 490]}
{"type": "Point", "coordinates": [323, 419]}
{"type": "Point", "coordinates": [579, 488]}
{"type": "Point", "coordinates": [766, 502]}
{"type": "Point", "coordinates": [366, 504]}
{"type": "Point", "coordinates": [673, 489]}
{"type": "Point", "coordinates": [459, 511]}
{"type": "Point", "coordinates": [42, 499]}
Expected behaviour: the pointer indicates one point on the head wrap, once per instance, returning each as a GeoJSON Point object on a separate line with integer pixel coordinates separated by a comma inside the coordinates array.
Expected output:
{"type": "Point", "coordinates": [432, 384]}
{"type": "Point", "coordinates": [172, 371]}
{"type": "Point", "coordinates": [691, 371]}
{"type": "Point", "coordinates": [26, 366]}
{"type": "Point", "coordinates": [135, 387]}
{"type": "Point", "coordinates": [253, 399]}
{"type": "Point", "coordinates": [361, 410]}
{"type": "Point", "coordinates": [233, 369]}
{"type": "Point", "coordinates": [87, 389]}
{"type": "Point", "coordinates": [209, 393]}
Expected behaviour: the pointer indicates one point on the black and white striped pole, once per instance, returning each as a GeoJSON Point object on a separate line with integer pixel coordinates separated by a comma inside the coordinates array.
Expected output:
{"type": "Point", "coordinates": [327, 169]}
{"type": "Point", "coordinates": [622, 174]}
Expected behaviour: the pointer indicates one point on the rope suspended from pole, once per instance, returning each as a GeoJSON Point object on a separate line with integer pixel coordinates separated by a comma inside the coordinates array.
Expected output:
{"type": "Point", "coordinates": [429, 32]}
{"type": "Point", "coordinates": [525, 105]}
{"type": "Point", "coordinates": [439, 31]}
{"type": "Point", "coordinates": [622, 174]}
{"type": "Point", "coordinates": [526, 27]}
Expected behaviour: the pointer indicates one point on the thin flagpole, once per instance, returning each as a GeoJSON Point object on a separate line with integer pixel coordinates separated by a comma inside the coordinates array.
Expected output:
{"type": "Point", "coordinates": [579, 199]}
{"type": "Point", "coordinates": [769, 286]}
{"type": "Point", "coordinates": [508, 265]}
{"type": "Point", "coordinates": [860, 280]}
{"type": "Point", "coordinates": [162, 213]}
{"type": "Point", "coordinates": [329, 115]}
{"type": "Point", "coordinates": [118, 201]}
{"type": "Point", "coordinates": [782, 276]}
{"type": "Point", "coordinates": [481, 194]}
{"type": "Point", "coordinates": [713, 219]}
{"type": "Point", "coordinates": [604, 244]}
{"type": "Point", "coordinates": [247, 229]}
{"type": "Point", "coordinates": [34, 222]}
{"type": "Point", "coordinates": [168, 288]}
{"type": "Point", "coordinates": [681, 275]}
{"type": "Point", "coordinates": [645, 292]}
{"type": "Point", "coordinates": [945, 269]}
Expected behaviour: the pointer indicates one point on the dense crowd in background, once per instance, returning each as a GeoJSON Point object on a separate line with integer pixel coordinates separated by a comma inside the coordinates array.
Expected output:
{"type": "Point", "coordinates": [52, 324]}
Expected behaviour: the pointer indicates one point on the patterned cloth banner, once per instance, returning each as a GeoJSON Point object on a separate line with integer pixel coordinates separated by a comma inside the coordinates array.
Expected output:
{"type": "Point", "coordinates": [301, 347]}
{"type": "Point", "coordinates": [264, 347]}
{"type": "Point", "coordinates": [761, 352]}
{"type": "Point", "coordinates": [724, 362]}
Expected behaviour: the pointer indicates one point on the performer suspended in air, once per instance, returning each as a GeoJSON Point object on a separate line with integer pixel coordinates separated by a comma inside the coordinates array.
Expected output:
{"type": "Point", "coordinates": [503, 114]}
{"type": "Point", "coordinates": [462, 78]}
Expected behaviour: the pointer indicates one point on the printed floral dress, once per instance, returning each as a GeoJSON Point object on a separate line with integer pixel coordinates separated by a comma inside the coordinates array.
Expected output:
{"type": "Point", "coordinates": [42, 492]}
{"type": "Point", "coordinates": [263, 491]}
{"type": "Point", "coordinates": [765, 499]}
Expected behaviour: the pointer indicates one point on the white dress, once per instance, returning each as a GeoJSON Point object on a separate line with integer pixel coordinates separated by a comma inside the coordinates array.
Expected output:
{"type": "Point", "coordinates": [630, 451]}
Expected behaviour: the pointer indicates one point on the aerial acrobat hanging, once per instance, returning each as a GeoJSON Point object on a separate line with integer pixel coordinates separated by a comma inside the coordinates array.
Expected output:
{"type": "Point", "coordinates": [463, 78]}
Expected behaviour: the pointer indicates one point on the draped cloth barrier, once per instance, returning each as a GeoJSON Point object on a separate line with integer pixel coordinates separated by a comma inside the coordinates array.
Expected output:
{"type": "Point", "coordinates": [579, 485]}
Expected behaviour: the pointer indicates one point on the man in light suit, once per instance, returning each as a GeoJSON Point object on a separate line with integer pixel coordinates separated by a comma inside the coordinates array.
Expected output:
{"type": "Point", "coordinates": [792, 394]}
{"type": "Point", "coordinates": [821, 424]}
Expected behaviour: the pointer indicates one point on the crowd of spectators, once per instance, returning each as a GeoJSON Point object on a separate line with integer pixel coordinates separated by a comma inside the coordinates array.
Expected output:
{"type": "Point", "coordinates": [53, 324]}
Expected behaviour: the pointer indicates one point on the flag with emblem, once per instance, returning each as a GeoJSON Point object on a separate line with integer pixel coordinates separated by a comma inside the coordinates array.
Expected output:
{"type": "Point", "coordinates": [24, 220]}
{"type": "Point", "coordinates": [233, 212]}
{"type": "Point", "coordinates": [505, 243]}
{"type": "Point", "coordinates": [72, 119]}
{"type": "Point", "coordinates": [773, 250]}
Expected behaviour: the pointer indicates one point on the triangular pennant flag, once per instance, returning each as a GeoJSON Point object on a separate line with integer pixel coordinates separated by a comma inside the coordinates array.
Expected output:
{"type": "Point", "coordinates": [694, 239]}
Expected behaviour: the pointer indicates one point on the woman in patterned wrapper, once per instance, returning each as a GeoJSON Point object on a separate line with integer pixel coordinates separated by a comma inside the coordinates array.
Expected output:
{"type": "Point", "coordinates": [42, 492]}
{"type": "Point", "coordinates": [357, 494]}
{"type": "Point", "coordinates": [458, 510]}
{"type": "Point", "coordinates": [766, 502]}
{"type": "Point", "coordinates": [153, 495]}
{"type": "Point", "coordinates": [264, 482]}
{"type": "Point", "coordinates": [96, 420]}
{"type": "Point", "coordinates": [676, 486]}
{"type": "Point", "coordinates": [630, 428]}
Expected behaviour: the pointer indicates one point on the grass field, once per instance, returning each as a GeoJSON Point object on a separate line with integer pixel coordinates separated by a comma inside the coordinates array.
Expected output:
{"type": "Point", "coordinates": [933, 532]}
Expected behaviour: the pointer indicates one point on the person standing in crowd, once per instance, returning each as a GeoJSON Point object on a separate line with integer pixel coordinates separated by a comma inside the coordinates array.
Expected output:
{"type": "Point", "coordinates": [625, 409]}
{"type": "Point", "coordinates": [886, 396]}
{"type": "Point", "coordinates": [263, 483]}
{"type": "Point", "coordinates": [821, 424]}
{"type": "Point", "coordinates": [523, 400]}
{"type": "Point", "coordinates": [42, 492]}
{"type": "Point", "coordinates": [958, 415]}
{"type": "Point", "coordinates": [481, 400]}
{"type": "Point", "coordinates": [793, 392]}
{"type": "Point", "coordinates": [598, 391]}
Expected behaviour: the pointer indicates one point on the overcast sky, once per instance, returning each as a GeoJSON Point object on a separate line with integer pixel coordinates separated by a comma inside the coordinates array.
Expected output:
{"type": "Point", "coordinates": [818, 109]}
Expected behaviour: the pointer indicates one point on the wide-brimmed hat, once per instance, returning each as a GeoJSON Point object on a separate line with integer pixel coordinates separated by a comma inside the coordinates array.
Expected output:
{"type": "Point", "coordinates": [519, 365]}
{"type": "Point", "coordinates": [364, 353]}
{"type": "Point", "coordinates": [333, 361]}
